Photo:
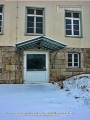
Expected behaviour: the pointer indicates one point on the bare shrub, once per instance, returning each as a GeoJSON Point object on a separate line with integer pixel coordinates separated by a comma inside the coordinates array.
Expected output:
{"type": "Point", "coordinates": [59, 79]}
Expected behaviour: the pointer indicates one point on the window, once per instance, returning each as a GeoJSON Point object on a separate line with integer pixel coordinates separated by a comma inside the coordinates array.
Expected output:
{"type": "Point", "coordinates": [35, 20]}
{"type": "Point", "coordinates": [36, 62]}
{"type": "Point", "coordinates": [73, 23]}
{"type": "Point", "coordinates": [73, 60]}
{"type": "Point", "coordinates": [1, 19]}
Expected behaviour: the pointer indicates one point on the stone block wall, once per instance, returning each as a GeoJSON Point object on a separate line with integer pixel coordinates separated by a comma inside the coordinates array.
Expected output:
{"type": "Point", "coordinates": [61, 69]}
{"type": "Point", "coordinates": [8, 66]}
{"type": "Point", "coordinates": [10, 74]}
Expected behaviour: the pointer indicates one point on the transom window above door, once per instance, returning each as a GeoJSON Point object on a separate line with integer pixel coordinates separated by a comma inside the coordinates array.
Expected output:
{"type": "Point", "coordinates": [34, 21]}
{"type": "Point", "coordinates": [73, 23]}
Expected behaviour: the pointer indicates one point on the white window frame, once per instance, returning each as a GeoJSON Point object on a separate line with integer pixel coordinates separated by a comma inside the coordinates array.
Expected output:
{"type": "Point", "coordinates": [1, 13]}
{"type": "Point", "coordinates": [72, 19]}
{"type": "Point", "coordinates": [34, 15]}
{"type": "Point", "coordinates": [73, 61]}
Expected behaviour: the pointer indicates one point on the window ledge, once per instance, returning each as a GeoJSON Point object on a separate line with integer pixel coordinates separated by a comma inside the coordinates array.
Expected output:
{"type": "Point", "coordinates": [74, 36]}
{"type": "Point", "coordinates": [1, 33]}
{"type": "Point", "coordinates": [31, 34]}
{"type": "Point", "coordinates": [74, 69]}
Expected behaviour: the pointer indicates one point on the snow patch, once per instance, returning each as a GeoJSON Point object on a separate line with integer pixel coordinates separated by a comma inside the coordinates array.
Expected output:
{"type": "Point", "coordinates": [79, 87]}
{"type": "Point", "coordinates": [46, 101]}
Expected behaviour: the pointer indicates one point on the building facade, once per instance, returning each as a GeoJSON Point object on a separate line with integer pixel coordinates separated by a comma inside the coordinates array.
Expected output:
{"type": "Point", "coordinates": [43, 41]}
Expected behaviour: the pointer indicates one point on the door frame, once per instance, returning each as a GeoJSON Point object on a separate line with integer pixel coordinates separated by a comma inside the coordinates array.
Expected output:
{"type": "Point", "coordinates": [36, 52]}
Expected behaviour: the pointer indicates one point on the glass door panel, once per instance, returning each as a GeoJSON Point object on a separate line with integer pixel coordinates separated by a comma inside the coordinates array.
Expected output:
{"type": "Point", "coordinates": [36, 62]}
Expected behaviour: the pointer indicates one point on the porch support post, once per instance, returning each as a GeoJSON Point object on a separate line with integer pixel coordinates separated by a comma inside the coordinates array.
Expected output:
{"type": "Point", "coordinates": [53, 63]}
{"type": "Point", "coordinates": [18, 59]}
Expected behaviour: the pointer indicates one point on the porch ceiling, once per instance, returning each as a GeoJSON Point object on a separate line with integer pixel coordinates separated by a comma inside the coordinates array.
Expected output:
{"type": "Point", "coordinates": [40, 42]}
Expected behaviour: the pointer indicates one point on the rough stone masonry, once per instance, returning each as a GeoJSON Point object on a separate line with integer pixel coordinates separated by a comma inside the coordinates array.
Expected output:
{"type": "Point", "coordinates": [10, 74]}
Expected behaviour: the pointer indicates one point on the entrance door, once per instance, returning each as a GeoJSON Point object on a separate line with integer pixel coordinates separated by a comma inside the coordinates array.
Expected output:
{"type": "Point", "coordinates": [36, 67]}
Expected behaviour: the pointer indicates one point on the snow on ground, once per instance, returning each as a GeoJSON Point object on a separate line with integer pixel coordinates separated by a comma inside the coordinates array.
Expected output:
{"type": "Point", "coordinates": [79, 87]}
{"type": "Point", "coordinates": [46, 101]}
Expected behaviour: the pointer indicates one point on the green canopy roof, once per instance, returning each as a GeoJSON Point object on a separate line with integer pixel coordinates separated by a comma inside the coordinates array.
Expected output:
{"type": "Point", "coordinates": [40, 42]}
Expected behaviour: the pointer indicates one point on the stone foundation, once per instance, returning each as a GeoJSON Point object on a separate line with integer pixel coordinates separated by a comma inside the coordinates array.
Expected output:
{"type": "Point", "coordinates": [8, 66]}
{"type": "Point", "coordinates": [9, 74]}
{"type": "Point", "coordinates": [61, 69]}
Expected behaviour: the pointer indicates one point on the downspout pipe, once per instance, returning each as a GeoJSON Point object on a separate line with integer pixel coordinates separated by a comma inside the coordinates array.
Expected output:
{"type": "Point", "coordinates": [16, 20]}
{"type": "Point", "coordinates": [17, 38]}
{"type": "Point", "coordinates": [18, 51]}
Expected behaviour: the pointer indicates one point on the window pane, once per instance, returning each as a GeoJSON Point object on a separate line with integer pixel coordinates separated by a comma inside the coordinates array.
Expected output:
{"type": "Point", "coordinates": [75, 55]}
{"type": "Point", "coordinates": [30, 11]}
{"type": "Point", "coordinates": [36, 61]}
{"type": "Point", "coordinates": [0, 29]}
{"type": "Point", "coordinates": [76, 22]}
{"type": "Point", "coordinates": [76, 15]}
{"type": "Point", "coordinates": [69, 59]}
{"type": "Point", "coordinates": [39, 19]}
{"type": "Point", "coordinates": [0, 17]}
{"type": "Point", "coordinates": [67, 14]}
{"type": "Point", "coordinates": [76, 64]}
{"type": "Point", "coordinates": [76, 27]}
{"type": "Point", "coordinates": [76, 32]}
{"type": "Point", "coordinates": [70, 55]}
{"type": "Point", "coordinates": [39, 25]}
{"type": "Point", "coordinates": [39, 12]}
{"type": "Point", "coordinates": [39, 30]}
{"type": "Point", "coordinates": [30, 30]}
{"type": "Point", "coordinates": [30, 24]}
{"type": "Point", "coordinates": [68, 32]}
{"type": "Point", "coordinates": [0, 9]}
{"type": "Point", "coordinates": [75, 60]}
{"type": "Point", "coordinates": [70, 64]}
{"type": "Point", "coordinates": [30, 19]}
{"type": "Point", "coordinates": [0, 23]}
{"type": "Point", "coordinates": [68, 26]}
{"type": "Point", "coordinates": [68, 21]}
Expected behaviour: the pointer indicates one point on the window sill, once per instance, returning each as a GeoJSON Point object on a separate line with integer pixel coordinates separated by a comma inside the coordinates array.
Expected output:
{"type": "Point", "coordinates": [32, 34]}
{"type": "Point", "coordinates": [74, 36]}
{"type": "Point", "coordinates": [78, 69]}
{"type": "Point", "coordinates": [1, 33]}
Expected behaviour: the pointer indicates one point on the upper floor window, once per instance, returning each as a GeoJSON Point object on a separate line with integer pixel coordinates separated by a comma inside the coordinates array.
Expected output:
{"type": "Point", "coordinates": [73, 23]}
{"type": "Point", "coordinates": [1, 19]}
{"type": "Point", "coordinates": [73, 60]}
{"type": "Point", "coordinates": [34, 21]}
